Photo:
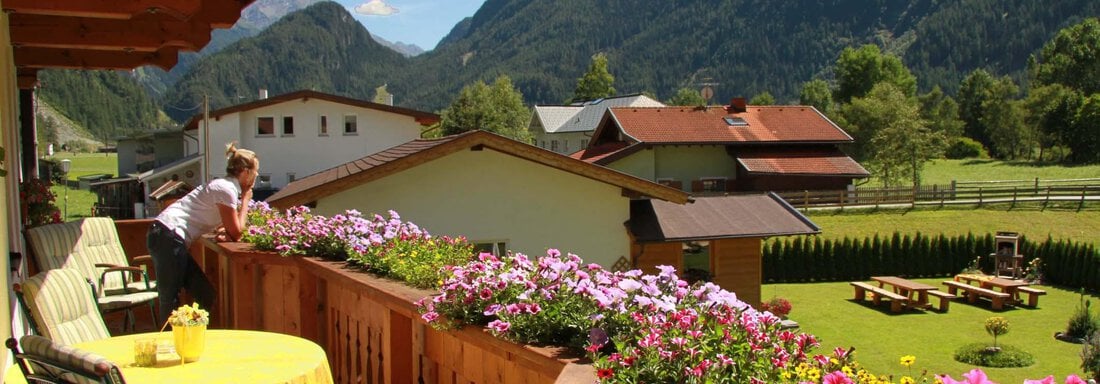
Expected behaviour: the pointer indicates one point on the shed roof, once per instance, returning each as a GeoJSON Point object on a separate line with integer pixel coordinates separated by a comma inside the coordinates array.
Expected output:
{"type": "Point", "coordinates": [717, 217]}
{"type": "Point", "coordinates": [818, 162]}
{"type": "Point", "coordinates": [416, 152]}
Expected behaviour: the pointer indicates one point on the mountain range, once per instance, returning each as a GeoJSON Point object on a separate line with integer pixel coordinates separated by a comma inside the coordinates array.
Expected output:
{"type": "Point", "coordinates": [745, 46]}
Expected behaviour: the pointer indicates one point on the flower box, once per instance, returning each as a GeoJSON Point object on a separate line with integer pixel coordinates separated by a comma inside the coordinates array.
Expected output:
{"type": "Point", "coordinates": [368, 325]}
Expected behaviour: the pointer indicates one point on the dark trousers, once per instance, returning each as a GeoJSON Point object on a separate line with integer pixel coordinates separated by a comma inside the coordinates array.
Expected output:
{"type": "Point", "coordinates": [176, 269]}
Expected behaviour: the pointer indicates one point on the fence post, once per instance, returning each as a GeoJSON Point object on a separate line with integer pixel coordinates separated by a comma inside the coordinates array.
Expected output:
{"type": "Point", "coordinates": [1047, 200]}
{"type": "Point", "coordinates": [1084, 191]}
{"type": "Point", "coordinates": [953, 189]}
{"type": "Point", "coordinates": [1036, 185]}
{"type": "Point", "coordinates": [842, 192]}
{"type": "Point", "coordinates": [806, 198]}
{"type": "Point", "coordinates": [980, 196]}
{"type": "Point", "coordinates": [1013, 197]}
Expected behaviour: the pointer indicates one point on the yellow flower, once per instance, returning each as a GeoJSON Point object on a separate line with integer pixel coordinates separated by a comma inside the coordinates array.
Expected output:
{"type": "Point", "coordinates": [907, 380]}
{"type": "Point", "coordinates": [847, 370]}
{"type": "Point", "coordinates": [908, 360]}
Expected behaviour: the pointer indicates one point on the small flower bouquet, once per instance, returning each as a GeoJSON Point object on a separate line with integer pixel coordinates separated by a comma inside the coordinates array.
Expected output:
{"type": "Point", "coordinates": [778, 306]}
{"type": "Point", "coordinates": [189, 316]}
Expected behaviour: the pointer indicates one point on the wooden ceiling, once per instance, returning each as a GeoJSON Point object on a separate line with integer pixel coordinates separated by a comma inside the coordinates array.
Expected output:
{"type": "Point", "coordinates": [111, 34]}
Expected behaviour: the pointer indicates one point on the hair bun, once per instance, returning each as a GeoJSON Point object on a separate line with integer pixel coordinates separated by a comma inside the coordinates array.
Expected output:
{"type": "Point", "coordinates": [230, 150]}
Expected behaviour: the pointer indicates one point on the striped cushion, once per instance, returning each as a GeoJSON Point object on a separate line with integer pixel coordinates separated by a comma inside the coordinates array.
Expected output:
{"type": "Point", "coordinates": [68, 359]}
{"type": "Point", "coordinates": [62, 305]}
{"type": "Point", "coordinates": [80, 245]}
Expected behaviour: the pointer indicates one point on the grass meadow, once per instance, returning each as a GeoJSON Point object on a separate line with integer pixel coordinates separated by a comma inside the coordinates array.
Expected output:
{"type": "Point", "coordinates": [80, 202]}
{"type": "Point", "coordinates": [881, 337]}
{"type": "Point", "coordinates": [943, 171]}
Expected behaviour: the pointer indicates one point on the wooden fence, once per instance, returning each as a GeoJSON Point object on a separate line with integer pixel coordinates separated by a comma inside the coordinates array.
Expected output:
{"type": "Point", "coordinates": [1011, 192]}
{"type": "Point", "coordinates": [369, 326]}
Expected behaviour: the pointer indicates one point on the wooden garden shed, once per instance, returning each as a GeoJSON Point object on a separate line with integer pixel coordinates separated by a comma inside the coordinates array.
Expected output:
{"type": "Point", "coordinates": [722, 234]}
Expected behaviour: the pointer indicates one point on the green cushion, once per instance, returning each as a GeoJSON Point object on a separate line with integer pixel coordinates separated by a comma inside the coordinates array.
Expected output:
{"type": "Point", "coordinates": [62, 305]}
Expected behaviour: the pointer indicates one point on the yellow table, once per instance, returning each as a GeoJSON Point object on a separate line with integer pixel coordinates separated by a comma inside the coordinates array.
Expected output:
{"type": "Point", "coordinates": [230, 357]}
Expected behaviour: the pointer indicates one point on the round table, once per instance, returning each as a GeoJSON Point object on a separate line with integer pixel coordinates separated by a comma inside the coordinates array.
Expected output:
{"type": "Point", "coordinates": [230, 356]}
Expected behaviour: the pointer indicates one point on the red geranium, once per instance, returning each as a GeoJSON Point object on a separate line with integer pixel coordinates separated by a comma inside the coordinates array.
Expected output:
{"type": "Point", "coordinates": [38, 203]}
{"type": "Point", "coordinates": [777, 306]}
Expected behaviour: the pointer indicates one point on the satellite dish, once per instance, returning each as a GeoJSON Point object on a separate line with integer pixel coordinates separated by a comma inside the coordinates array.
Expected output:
{"type": "Point", "coordinates": [707, 92]}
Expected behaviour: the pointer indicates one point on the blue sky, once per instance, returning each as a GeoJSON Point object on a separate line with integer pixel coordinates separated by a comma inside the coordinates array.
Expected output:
{"type": "Point", "coordinates": [420, 22]}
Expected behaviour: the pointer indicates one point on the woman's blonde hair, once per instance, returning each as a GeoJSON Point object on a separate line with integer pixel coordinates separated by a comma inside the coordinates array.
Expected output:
{"type": "Point", "coordinates": [239, 159]}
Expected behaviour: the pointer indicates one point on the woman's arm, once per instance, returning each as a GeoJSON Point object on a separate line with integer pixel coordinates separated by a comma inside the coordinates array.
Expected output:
{"type": "Point", "coordinates": [234, 220]}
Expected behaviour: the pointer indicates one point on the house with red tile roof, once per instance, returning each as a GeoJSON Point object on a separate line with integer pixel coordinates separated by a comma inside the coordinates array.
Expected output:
{"type": "Point", "coordinates": [724, 149]}
{"type": "Point", "coordinates": [504, 195]}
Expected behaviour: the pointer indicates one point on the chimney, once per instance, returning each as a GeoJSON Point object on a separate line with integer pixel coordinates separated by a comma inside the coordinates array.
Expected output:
{"type": "Point", "coordinates": [737, 104]}
{"type": "Point", "coordinates": [263, 93]}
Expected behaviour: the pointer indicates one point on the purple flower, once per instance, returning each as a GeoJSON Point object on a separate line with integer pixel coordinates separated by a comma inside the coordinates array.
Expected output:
{"type": "Point", "coordinates": [499, 326]}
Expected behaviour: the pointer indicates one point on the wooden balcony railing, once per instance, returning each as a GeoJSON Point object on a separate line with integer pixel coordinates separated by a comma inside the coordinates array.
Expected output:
{"type": "Point", "coordinates": [368, 325]}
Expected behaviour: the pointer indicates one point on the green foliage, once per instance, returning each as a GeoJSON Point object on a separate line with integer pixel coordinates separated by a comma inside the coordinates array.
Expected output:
{"type": "Point", "coordinates": [497, 108]}
{"type": "Point", "coordinates": [974, 90]}
{"type": "Point", "coordinates": [762, 98]}
{"type": "Point", "coordinates": [1082, 138]}
{"type": "Point", "coordinates": [1090, 356]}
{"type": "Point", "coordinates": [966, 148]}
{"type": "Point", "coordinates": [597, 81]}
{"type": "Point", "coordinates": [942, 114]}
{"type": "Point", "coordinates": [816, 92]}
{"type": "Point", "coordinates": [1006, 357]}
{"type": "Point", "coordinates": [996, 326]}
{"type": "Point", "coordinates": [686, 96]}
{"type": "Point", "coordinates": [891, 135]}
{"type": "Point", "coordinates": [381, 96]}
{"type": "Point", "coordinates": [1052, 113]}
{"type": "Point", "coordinates": [1083, 322]}
{"type": "Point", "coordinates": [859, 70]}
{"type": "Point", "coordinates": [107, 103]}
{"type": "Point", "coordinates": [1072, 58]}
{"type": "Point", "coordinates": [1003, 123]}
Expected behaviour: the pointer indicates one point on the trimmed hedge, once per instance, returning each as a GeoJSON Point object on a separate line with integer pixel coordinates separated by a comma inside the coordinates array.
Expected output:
{"type": "Point", "coordinates": [811, 259]}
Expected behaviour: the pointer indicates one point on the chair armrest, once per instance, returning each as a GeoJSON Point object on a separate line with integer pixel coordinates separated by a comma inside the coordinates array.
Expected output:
{"type": "Point", "coordinates": [142, 259]}
{"type": "Point", "coordinates": [105, 265]}
{"type": "Point", "coordinates": [122, 270]}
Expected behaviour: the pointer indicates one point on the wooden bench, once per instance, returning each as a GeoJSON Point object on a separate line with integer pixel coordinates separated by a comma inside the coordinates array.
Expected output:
{"type": "Point", "coordinates": [945, 298]}
{"type": "Point", "coordinates": [972, 293]}
{"type": "Point", "coordinates": [896, 301]}
{"type": "Point", "coordinates": [1032, 295]}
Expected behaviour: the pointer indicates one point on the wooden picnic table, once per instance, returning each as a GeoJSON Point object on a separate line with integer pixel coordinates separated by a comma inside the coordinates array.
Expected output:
{"type": "Point", "coordinates": [907, 288]}
{"type": "Point", "coordinates": [1008, 286]}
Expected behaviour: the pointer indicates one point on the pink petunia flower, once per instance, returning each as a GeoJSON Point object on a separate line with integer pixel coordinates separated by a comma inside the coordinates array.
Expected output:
{"type": "Point", "coordinates": [837, 377]}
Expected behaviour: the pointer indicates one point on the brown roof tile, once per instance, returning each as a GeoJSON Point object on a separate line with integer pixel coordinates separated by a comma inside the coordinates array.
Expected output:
{"type": "Point", "coordinates": [717, 217]}
{"type": "Point", "coordinates": [694, 125]}
{"type": "Point", "coordinates": [830, 162]}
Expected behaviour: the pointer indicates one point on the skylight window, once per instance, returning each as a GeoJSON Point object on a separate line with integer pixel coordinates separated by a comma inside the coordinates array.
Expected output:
{"type": "Point", "coordinates": [735, 122]}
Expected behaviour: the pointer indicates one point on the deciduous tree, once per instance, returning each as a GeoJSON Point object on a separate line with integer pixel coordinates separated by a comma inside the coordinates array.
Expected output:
{"type": "Point", "coordinates": [595, 83]}
{"type": "Point", "coordinates": [858, 70]}
{"type": "Point", "coordinates": [1072, 58]}
{"type": "Point", "coordinates": [498, 108]}
{"type": "Point", "coordinates": [816, 92]}
{"type": "Point", "coordinates": [762, 98]}
{"type": "Point", "coordinates": [686, 96]}
{"type": "Point", "coordinates": [891, 135]}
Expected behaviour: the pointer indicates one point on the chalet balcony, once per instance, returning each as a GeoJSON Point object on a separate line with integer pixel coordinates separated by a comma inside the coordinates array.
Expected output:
{"type": "Point", "coordinates": [368, 326]}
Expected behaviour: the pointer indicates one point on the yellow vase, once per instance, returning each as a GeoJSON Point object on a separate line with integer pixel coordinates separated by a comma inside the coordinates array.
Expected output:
{"type": "Point", "coordinates": [190, 341]}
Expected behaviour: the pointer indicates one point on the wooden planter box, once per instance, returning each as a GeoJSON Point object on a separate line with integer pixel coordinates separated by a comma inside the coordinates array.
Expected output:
{"type": "Point", "coordinates": [368, 325]}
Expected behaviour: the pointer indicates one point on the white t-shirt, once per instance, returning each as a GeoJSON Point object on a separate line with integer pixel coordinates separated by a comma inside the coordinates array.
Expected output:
{"type": "Point", "coordinates": [197, 213]}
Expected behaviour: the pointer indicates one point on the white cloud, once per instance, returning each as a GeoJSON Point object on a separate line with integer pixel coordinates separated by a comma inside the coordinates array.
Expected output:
{"type": "Point", "coordinates": [375, 8]}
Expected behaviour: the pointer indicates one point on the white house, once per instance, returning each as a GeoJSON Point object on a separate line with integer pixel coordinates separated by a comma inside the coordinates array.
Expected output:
{"type": "Point", "coordinates": [300, 133]}
{"type": "Point", "coordinates": [568, 128]}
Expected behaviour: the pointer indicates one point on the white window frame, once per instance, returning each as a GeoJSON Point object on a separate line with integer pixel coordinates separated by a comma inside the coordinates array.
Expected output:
{"type": "Point", "coordinates": [322, 125]}
{"type": "Point", "coordinates": [554, 145]}
{"type": "Point", "coordinates": [273, 129]}
{"type": "Point", "coordinates": [345, 127]}
{"type": "Point", "coordinates": [291, 134]}
{"type": "Point", "coordinates": [290, 177]}
{"type": "Point", "coordinates": [722, 179]}
{"type": "Point", "coordinates": [496, 247]}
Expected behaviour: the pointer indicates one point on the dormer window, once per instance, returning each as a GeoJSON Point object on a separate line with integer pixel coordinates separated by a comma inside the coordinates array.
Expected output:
{"type": "Point", "coordinates": [735, 122]}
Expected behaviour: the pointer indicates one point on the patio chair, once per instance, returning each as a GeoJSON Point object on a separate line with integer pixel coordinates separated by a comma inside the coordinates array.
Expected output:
{"type": "Point", "coordinates": [92, 247]}
{"type": "Point", "coordinates": [43, 361]}
{"type": "Point", "coordinates": [60, 306]}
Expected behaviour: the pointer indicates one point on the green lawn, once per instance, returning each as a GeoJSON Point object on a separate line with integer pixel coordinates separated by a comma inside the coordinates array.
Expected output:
{"type": "Point", "coordinates": [1035, 224]}
{"type": "Point", "coordinates": [80, 202]}
{"type": "Point", "coordinates": [943, 171]}
{"type": "Point", "coordinates": [880, 337]}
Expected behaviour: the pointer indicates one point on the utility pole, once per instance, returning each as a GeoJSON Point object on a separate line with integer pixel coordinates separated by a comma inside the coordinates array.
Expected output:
{"type": "Point", "coordinates": [205, 138]}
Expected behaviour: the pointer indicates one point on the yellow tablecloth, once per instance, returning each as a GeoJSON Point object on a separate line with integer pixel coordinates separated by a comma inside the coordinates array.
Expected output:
{"type": "Point", "coordinates": [230, 357]}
